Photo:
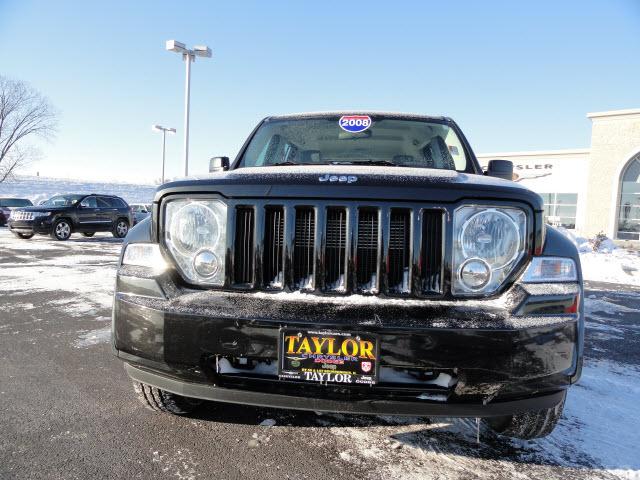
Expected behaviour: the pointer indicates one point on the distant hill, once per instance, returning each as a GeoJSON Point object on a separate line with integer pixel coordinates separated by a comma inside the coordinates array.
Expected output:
{"type": "Point", "coordinates": [42, 188]}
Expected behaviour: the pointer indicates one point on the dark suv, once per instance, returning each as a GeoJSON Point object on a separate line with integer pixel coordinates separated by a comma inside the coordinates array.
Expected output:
{"type": "Point", "coordinates": [62, 215]}
{"type": "Point", "coordinates": [358, 263]}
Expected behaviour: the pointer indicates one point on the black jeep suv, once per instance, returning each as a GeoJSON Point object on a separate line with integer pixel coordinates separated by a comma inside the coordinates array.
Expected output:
{"type": "Point", "coordinates": [355, 263]}
{"type": "Point", "coordinates": [62, 215]}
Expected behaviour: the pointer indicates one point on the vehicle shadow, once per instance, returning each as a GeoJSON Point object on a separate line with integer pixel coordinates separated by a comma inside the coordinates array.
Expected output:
{"type": "Point", "coordinates": [250, 415]}
{"type": "Point", "coordinates": [95, 240]}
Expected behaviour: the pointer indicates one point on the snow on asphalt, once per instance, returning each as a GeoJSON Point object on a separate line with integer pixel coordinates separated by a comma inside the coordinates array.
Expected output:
{"type": "Point", "coordinates": [596, 438]}
{"type": "Point", "coordinates": [83, 268]}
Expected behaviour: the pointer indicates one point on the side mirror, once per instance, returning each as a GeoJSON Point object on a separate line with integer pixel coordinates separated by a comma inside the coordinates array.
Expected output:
{"type": "Point", "coordinates": [500, 169]}
{"type": "Point", "coordinates": [218, 164]}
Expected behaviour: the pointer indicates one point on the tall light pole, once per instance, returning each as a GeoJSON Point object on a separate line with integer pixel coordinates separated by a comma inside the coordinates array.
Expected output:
{"type": "Point", "coordinates": [188, 55]}
{"type": "Point", "coordinates": [164, 131]}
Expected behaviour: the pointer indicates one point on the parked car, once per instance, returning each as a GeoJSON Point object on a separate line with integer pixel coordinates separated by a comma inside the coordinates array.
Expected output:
{"type": "Point", "coordinates": [62, 215]}
{"type": "Point", "coordinates": [353, 263]}
{"type": "Point", "coordinates": [8, 204]}
{"type": "Point", "coordinates": [140, 211]}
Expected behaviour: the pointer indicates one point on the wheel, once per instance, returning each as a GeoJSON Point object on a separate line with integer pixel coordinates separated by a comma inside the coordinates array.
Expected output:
{"type": "Point", "coordinates": [24, 235]}
{"type": "Point", "coordinates": [88, 234]}
{"type": "Point", "coordinates": [162, 401]}
{"type": "Point", "coordinates": [121, 229]}
{"type": "Point", "coordinates": [61, 230]}
{"type": "Point", "coordinates": [527, 425]}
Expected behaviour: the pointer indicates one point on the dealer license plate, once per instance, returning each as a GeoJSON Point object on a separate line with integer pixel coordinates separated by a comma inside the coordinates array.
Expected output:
{"type": "Point", "coordinates": [328, 357]}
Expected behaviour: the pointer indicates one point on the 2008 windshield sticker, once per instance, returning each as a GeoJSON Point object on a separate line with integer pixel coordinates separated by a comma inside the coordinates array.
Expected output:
{"type": "Point", "coordinates": [355, 123]}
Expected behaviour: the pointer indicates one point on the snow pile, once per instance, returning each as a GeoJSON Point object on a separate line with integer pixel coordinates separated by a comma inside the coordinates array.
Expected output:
{"type": "Point", "coordinates": [619, 266]}
{"type": "Point", "coordinates": [587, 245]}
{"type": "Point", "coordinates": [606, 263]}
{"type": "Point", "coordinates": [37, 189]}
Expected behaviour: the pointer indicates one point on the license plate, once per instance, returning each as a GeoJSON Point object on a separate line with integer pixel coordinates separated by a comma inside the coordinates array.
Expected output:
{"type": "Point", "coordinates": [324, 356]}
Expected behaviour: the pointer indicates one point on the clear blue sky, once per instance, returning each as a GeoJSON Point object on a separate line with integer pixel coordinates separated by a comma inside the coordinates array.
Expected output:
{"type": "Point", "coordinates": [515, 76]}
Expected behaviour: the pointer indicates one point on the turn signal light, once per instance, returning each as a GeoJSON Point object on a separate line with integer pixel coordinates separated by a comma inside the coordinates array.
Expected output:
{"type": "Point", "coordinates": [551, 269]}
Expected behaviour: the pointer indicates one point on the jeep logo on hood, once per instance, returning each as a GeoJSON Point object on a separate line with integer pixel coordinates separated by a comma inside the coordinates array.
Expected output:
{"type": "Point", "coordinates": [338, 178]}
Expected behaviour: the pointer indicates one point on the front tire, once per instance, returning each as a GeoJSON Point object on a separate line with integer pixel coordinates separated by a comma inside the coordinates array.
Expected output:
{"type": "Point", "coordinates": [61, 230]}
{"type": "Point", "coordinates": [527, 425]}
{"type": "Point", "coordinates": [121, 229]}
{"type": "Point", "coordinates": [25, 236]}
{"type": "Point", "coordinates": [162, 401]}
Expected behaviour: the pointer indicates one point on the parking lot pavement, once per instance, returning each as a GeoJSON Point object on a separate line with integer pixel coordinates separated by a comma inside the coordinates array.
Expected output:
{"type": "Point", "coordinates": [67, 409]}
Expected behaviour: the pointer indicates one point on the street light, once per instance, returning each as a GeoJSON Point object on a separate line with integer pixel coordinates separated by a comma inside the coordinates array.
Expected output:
{"type": "Point", "coordinates": [188, 56]}
{"type": "Point", "coordinates": [164, 131]}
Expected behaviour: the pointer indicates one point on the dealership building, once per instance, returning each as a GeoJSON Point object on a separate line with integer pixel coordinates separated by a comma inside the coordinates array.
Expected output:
{"type": "Point", "coordinates": [594, 189]}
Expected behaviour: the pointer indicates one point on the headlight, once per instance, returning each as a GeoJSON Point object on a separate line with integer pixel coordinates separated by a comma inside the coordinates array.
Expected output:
{"type": "Point", "coordinates": [195, 232]}
{"type": "Point", "coordinates": [41, 214]}
{"type": "Point", "coordinates": [488, 242]}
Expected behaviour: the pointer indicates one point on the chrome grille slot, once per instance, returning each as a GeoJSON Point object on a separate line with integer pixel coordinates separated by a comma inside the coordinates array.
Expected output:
{"type": "Point", "coordinates": [432, 251]}
{"type": "Point", "coordinates": [367, 272]}
{"type": "Point", "coordinates": [335, 253]}
{"type": "Point", "coordinates": [399, 256]}
{"type": "Point", "coordinates": [244, 246]}
{"type": "Point", "coordinates": [303, 248]}
{"type": "Point", "coordinates": [273, 262]}
{"type": "Point", "coordinates": [21, 216]}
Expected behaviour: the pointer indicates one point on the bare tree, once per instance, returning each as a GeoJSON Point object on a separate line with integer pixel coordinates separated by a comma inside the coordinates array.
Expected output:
{"type": "Point", "coordinates": [24, 115]}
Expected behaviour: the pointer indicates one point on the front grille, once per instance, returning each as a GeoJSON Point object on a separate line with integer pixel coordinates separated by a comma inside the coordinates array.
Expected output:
{"type": "Point", "coordinates": [21, 216]}
{"type": "Point", "coordinates": [350, 249]}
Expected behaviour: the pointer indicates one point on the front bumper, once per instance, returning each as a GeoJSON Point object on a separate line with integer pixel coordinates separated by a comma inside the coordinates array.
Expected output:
{"type": "Point", "coordinates": [502, 356]}
{"type": "Point", "coordinates": [363, 406]}
{"type": "Point", "coordinates": [39, 225]}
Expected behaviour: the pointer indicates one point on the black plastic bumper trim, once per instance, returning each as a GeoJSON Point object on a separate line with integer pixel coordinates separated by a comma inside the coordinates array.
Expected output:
{"type": "Point", "coordinates": [367, 407]}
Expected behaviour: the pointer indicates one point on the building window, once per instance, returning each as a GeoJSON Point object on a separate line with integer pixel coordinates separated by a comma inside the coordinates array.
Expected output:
{"type": "Point", "coordinates": [560, 209]}
{"type": "Point", "coordinates": [629, 202]}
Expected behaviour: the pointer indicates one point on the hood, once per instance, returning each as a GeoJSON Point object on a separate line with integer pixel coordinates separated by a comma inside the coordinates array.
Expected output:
{"type": "Point", "coordinates": [8, 209]}
{"type": "Point", "coordinates": [357, 182]}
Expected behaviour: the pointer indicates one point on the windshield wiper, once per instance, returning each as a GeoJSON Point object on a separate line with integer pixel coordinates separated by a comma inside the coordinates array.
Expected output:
{"type": "Point", "coordinates": [365, 162]}
{"type": "Point", "coordinates": [280, 164]}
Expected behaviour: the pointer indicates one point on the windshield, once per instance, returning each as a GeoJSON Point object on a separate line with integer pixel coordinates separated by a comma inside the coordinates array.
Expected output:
{"type": "Point", "coordinates": [15, 202]}
{"type": "Point", "coordinates": [63, 200]}
{"type": "Point", "coordinates": [356, 139]}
